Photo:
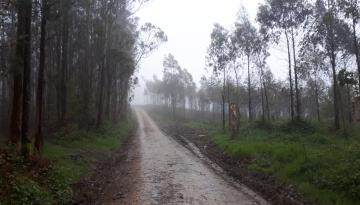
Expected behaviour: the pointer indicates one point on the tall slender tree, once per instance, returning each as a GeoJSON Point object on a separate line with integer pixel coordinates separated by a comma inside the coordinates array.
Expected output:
{"type": "Point", "coordinates": [24, 19]}
{"type": "Point", "coordinates": [39, 139]}
{"type": "Point", "coordinates": [218, 59]}
{"type": "Point", "coordinates": [248, 40]}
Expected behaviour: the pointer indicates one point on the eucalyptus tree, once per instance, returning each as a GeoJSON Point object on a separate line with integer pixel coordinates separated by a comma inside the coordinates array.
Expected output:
{"type": "Point", "coordinates": [234, 56]}
{"type": "Point", "coordinates": [84, 55]}
{"type": "Point", "coordinates": [328, 31]}
{"type": "Point", "coordinates": [39, 139]}
{"type": "Point", "coordinates": [285, 17]}
{"type": "Point", "coordinates": [312, 66]}
{"type": "Point", "coordinates": [155, 88]}
{"type": "Point", "coordinates": [248, 40]}
{"type": "Point", "coordinates": [351, 9]}
{"type": "Point", "coordinates": [209, 97]}
{"type": "Point", "coordinates": [218, 58]}
{"type": "Point", "coordinates": [172, 81]}
{"type": "Point", "coordinates": [261, 55]}
{"type": "Point", "coordinates": [190, 89]}
{"type": "Point", "coordinates": [22, 77]}
{"type": "Point", "coordinates": [150, 39]}
{"type": "Point", "coordinates": [347, 81]}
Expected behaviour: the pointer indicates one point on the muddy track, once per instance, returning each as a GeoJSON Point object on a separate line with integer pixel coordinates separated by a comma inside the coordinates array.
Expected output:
{"type": "Point", "coordinates": [171, 174]}
{"type": "Point", "coordinates": [157, 169]}
{"type": "Point", "coordinates": [234, 169]}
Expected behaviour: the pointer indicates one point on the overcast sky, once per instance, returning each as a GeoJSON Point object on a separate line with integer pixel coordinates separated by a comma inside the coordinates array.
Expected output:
{"type": "Point", "coordinates": [188, 25]}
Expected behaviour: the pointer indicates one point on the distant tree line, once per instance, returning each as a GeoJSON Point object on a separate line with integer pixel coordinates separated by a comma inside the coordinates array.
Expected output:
{"type": "Point", "coordinates": [68, 62]}
{"type": "Point", "coordinates": [322, 52]}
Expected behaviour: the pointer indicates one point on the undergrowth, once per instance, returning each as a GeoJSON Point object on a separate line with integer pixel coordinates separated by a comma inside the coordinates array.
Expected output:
{"type": "Point", "coordinates": [68, 156]}
{"type": "Point", "coordinates": [322, 165]}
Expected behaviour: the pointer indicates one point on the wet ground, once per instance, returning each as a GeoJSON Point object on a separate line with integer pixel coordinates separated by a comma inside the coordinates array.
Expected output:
{"type": "Point", "coordinates": [171, 174]}
{"type": "Point", "coordinates": [157, 169]}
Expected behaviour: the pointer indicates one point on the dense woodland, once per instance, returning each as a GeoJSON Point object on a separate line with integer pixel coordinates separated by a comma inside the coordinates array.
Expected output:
{"type": "Point", "coordinates": [68, 63]}
{"type": "Point", "coordinates": [67, 74]}
{"type": "Point", "coordinates": [320, 43]}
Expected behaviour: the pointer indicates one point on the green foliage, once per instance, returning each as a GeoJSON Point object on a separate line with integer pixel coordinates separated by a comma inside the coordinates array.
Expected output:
{"type": "Point", "coordinates": [71, 152]}
{"type": "Point", "coordinates": [74, 152]}
{"type": "Point", "coordinates": [27, 192]}
{"type": "Point", "coordinates": [323, 167]}
{"type": "Point", "coordinates": [30, 183]}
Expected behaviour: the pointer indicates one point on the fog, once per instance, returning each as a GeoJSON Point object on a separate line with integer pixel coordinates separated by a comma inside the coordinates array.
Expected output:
{"type": "Point", "coordinates": [188, 25]}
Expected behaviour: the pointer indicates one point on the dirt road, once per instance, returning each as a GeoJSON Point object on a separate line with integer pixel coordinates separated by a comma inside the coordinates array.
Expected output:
{"type": "Point", "coordinates": [171, 174]}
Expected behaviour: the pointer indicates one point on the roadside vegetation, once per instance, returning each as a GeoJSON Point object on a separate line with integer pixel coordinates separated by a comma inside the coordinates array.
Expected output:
{"type": "Point", "coordinates": [317, 161]}
{"type": "Point", "coordinates": [66, 76]}
{"type": "Point", "coordinates": [69, 155]}
{"type": "Point", "coordinates": [322, 166]}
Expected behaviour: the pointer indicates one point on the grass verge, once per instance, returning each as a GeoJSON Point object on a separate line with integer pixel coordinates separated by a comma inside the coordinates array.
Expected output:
{"type": "Point", "coordinates": [322, 166]}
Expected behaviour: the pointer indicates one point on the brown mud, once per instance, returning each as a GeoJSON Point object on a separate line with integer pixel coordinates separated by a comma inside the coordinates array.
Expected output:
{"type": "Point", "coordinates": [236, 168]}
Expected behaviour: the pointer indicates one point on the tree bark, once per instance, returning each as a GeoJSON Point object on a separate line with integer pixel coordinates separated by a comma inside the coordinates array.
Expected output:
{"type": "Point", "coordinates": [249, 89]}
{"type": "Point", "coordinates": [336, 98]}
{"type": "Point", "coordinates": [18, 69]}
{"type": "Point", "coordinates": [102, 77]}
{"type": "Point", "coordinates": [297, 91]}
{"type": "Point", "coordinates": [39, 140]}
{"type": "Point", "coordinates": [348, 89]}
{"type": "Point", "coordinates": [356, 48]}
{"type": "Point", "coordinates": [265, 99]}
{"type": "Point", "coordinates": [290, 76]}
{"type": "Point", "coordinates": [85, 77]}
{"type": "Point", "coordinates": [64, 61]}
{"type": "Point", "coordinates": [25, 12]}
{"type": "Point", "coordinates": [101, 97]}
{"type": "Point", "coordinates": [223, 102]}
{"type": "Point", "coordinates": [332, 55]}
{"type": "Point", "coordinates": [317, 100]}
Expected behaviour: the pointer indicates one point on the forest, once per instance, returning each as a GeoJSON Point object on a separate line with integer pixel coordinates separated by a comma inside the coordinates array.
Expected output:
{"type": "Point", "coordinates": [322, 53]}
{"type": "Point", "coordinates": [71, 134]}
{"type": "Point", "coordinates": [66, 68]}
{"type": "Point", "coordinates": [301, 131]}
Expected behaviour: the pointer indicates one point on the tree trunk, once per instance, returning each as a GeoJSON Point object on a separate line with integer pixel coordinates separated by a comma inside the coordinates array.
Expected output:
{"type": "Point", "coordinates": [64, 61]}
{"type": "Point", "coordinates": [297, 91]}
{"type": "Point", "coordinates": [25, 12]}
{"type": "Point", "coordinates": [262, 102]}
{"type": "Point", "coordinates": [237, 84]}
{"type": "Point", "coordinates": [317, 100]}
{"type": "Point", "coordinates": [101, 96]}
{"type": "Point", "coordinates": [223, 101]}
{"type": "Point", "coordinates": [249, 89]}
{"type": "Point", "coordinates": [290, 77]}
{"type": "Point", "coordinates": [349, 103]}
{"type": "Point", "coordinates": [108, 91]}
{"type": "Point", "coordinates": [39, 141]}
{"type": "Point", "coordinates": [356, 48]}
{"type": "Point", "coordinates": [19, 64]}
{"type": "Point", "coordinates": [102, 77]}
{"type": "Point", "coordinates": [267, 102]}
{"type": "Point", "coordinates": [264, 96]}
{"type": "Point", "coordinates": [335, 84]}
{"type": "Point", "coordinates": [85, 75]}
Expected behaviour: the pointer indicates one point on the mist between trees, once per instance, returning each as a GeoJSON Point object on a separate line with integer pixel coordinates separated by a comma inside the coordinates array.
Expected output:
{"type": "Point", "coordinates": [323, 64]}
{"type": "Point", "coordinates": [68, 63]}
